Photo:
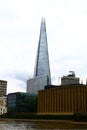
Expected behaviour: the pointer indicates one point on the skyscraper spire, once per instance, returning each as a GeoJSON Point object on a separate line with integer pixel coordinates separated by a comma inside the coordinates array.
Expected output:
{"type": "Point", "coordinates": [41, 76]}
{"type": "Point", "coordinates": [42, 67]}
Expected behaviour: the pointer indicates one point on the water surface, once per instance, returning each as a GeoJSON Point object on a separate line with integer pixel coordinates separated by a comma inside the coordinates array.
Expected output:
{"type": "Point", "coordinates": [38, 125]}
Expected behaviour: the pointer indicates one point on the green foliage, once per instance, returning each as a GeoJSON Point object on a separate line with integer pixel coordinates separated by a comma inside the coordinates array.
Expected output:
{"type": "Point", "coordinates": [35, 116]}
{"type": "Point", "coordinates": [80, 117]}
{"type": "Point", "coordinates": [33, 104]}
{"type": "Point", "coordinates": [76, 117]}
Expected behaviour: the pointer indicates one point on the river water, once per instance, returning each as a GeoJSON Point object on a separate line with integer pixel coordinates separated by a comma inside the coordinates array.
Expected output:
{"type": "Point", "coordinates": [40, 125]}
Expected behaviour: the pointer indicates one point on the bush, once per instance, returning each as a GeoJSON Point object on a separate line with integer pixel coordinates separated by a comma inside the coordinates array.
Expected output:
{"type": "Point", "coordinates": [80, 117]}
{"type": "Point", "coordinates": [35, 116]}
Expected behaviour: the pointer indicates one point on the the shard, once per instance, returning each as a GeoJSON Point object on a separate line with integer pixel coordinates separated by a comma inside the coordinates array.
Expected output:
{"type": "Point", "coordinates": [42, 75]}
{"type": "Point", "coordinates": [42, 67]}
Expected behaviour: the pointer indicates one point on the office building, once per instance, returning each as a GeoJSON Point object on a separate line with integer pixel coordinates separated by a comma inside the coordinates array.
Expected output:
{"type": "Point", "coordinates": [3, 88]}
{"type": "Point", "coordinates": [70, 79]}
{"type": "Point", "coordinates": [63, 99]}
{"type": "Point", "coordinates": [42, 75]}
{"type": "Point", "coordinates": [21, 102]}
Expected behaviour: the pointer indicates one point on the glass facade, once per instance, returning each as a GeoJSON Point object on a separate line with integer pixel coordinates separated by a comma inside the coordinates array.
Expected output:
{"type": "Point", "coordinates": [36, 84]}
{"type": "Point", "coordinates": [42, 76]}
{"type": "Point", "coordinates": [21, 102]}
{"type": "Point", "coordinates": [42, 67]}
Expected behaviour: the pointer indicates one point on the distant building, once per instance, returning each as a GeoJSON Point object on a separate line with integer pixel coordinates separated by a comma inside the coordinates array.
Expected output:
{"type": "Point", "coordinates": [42, 74]}
{"type": "Point", "coordinates": [3, 88]}
{"type": "Point", "coordinates": [36, 84]}
{"type": "Point", "coordinates": [3, 105]}
{"type": "Point", "coordinates": [64, 99]}
{"type": "Point", "coordinates": [70, 79]}
{"type": "Point", "coordinates": [20, 102]}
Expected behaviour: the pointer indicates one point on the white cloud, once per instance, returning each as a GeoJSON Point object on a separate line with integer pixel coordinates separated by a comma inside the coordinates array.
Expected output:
{"type": "Point", "coordinates": [15, 85]}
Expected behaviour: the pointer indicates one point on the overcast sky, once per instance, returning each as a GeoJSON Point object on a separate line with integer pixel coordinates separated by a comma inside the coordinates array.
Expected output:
{"type": "Point", "coordinates": [66, 26]}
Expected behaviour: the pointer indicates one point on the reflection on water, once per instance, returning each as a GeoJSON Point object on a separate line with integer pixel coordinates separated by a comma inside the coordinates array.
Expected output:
{"type": "Point", "coordinates": [14, 125]}
{"type": "Point", "coordinates": [37, 125]}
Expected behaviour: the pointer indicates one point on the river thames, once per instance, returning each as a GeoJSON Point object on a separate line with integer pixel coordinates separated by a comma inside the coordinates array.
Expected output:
{"type": "Point", "coordinates": [37, 125]}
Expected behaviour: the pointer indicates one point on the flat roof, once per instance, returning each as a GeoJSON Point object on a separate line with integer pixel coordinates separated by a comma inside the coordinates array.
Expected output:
{"type": "Point", "coordinates": [68, 85]}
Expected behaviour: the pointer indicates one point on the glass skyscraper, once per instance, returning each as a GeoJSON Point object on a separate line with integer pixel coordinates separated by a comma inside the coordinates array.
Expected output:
{"type": "Point", "coordinates": [42, 75]}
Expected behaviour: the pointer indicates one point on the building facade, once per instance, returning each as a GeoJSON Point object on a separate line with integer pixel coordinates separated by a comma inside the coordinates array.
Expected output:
{"type": "Point", "coordinates": [66, 99]}
{"type": "Point", "coordinates": [36, 84]}
{"type": "Point", "coordinates": [3, 88]}
{"type": "Point", "coordinates": [42, 67]}
{"type": "Point", "coordinates": [3, 105]}
{"type": "Point", "coordinates": [20, 102]}
{"type": "Point", "coordinates": [70, 79]}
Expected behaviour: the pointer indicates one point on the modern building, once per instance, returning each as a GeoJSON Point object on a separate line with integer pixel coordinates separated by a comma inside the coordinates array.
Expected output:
{"type": "Point", "coordinates": [70, 79]}
{"type": "Point", "coordinates": [3, 88]}
{"type": "Point", "coordinates": [63, 99]}
{"type": "Point", "coordinates": [3, 105]}
{"type": "Point", "coordinates": [37, 83]}
{"type": "Point", "coordinates": [42, 75]}
{"type": "Point", "coordinates": [21, 102]}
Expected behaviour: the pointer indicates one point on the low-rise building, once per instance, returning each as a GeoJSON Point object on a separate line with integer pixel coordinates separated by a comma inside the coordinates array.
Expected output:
{"type": "Point", "coordinates": [70, 79]}
{"type": "Point", "coordinates": [3, 105]}
{"type": "Point", "coordinates": [21, 102]}
{"type": "Point", "coordinates": [63, 99]}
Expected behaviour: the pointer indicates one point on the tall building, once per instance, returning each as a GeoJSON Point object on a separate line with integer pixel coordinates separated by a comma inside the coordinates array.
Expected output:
{"type": "Point", "coordinates": [42, 60]}
{"type": "Point", "coordinates": [42, 75]}
{"type": "Point", "coordinates": [3, 88]}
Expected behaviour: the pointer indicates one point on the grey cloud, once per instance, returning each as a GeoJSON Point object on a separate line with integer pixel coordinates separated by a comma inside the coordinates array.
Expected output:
{"type": "Point", "coordinates": [23, 76]}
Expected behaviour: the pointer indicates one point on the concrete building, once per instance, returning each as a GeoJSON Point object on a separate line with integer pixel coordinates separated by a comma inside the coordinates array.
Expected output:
{"type": "Point", "coordinates": [64, 99]}
{"type": "Point", "coordinates": [3, 88]}
{"type": "Point", "coordinates": [42, 75]}
{"type": "Point", "coordinates": [70, 79]}
{"type": "Point", "coordinates": [3, 105]}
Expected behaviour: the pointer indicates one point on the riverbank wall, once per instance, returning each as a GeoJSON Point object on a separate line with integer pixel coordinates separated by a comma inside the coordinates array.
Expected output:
{"type": "Point", "coordinates": [81, 117]}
